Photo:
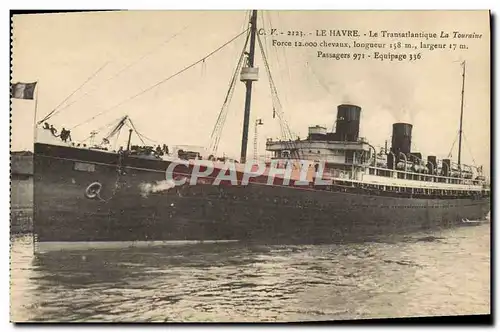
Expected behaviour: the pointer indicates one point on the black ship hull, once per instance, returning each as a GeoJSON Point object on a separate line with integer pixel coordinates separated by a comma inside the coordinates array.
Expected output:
{"type": "Point", "coordinates": [127, 210]}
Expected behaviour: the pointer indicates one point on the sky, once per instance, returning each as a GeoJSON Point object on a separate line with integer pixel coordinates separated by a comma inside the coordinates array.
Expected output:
{"type": "Point", "coordinates": [132, 51]}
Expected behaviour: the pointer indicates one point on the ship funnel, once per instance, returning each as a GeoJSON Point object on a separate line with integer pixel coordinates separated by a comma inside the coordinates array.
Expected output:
{"type": "Point", "coordinates": [348, 117]}
{"type": "Point", "coordinates": [401, 142]}
{"type": "Point", "coordinates": [401, 138]}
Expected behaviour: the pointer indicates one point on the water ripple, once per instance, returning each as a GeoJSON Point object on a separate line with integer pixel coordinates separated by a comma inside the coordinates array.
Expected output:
{"type": "Point", "coordinates": [443, 273]}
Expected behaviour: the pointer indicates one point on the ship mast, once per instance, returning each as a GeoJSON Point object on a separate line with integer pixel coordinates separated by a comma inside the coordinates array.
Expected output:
{"type": "Point", "coordinates": [461, 118]}
{"type": "Point", "coordinates": [129, 138]}
{"type": "Point", "coordinates": [248, 83]}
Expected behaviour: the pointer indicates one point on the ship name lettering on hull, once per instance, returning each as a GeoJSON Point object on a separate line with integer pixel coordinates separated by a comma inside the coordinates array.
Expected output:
{"type": "Point", "coordinates": [84, 167]}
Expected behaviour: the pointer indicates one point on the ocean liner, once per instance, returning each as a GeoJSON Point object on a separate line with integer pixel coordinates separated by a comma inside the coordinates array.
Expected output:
{"type": "Point", "coordinates": [90, 196]}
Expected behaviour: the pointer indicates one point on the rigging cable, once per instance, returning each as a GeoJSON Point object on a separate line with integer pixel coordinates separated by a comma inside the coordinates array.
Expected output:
{"type": "Point", "coordinates": [130, 65]}
{"type": "Point", "coordinates": [225, 109]}
{"type": "Point", "coordinates": [133, 127]}
{"type": "Point", "coordinates": [117, 137]}
{"type": "Point", "coordinates": [217, 131]}
{"type": "Point", "coordinates": [147, 138]}
{"type": "Point", "coordinates": [468, 147]}
{"type": "Point", "coordinates": [284, 127]}
{"type": "Point", "coordinates": [272, 86]}
{"type": "Point", "coordinates": [278, 65]}
{"type": "Point", "coordinates": [320, 81]}
{"type": "Point", "coordinates": [221, 119]}
{"type": "Point", "coordinates": [109, 124]}
{"type": "Point", "coordinates": [116, 129]}
{"type": "Point", "coordinates": [452, 146]}
{"type": "Point", "coordinates": [53, 112]}
{"type": "Point", "coordinates": [284, 50]}
{"type": "Point", "coordinates": [262, 12]}
{"type": "Point", "coordinates": [162, 81]}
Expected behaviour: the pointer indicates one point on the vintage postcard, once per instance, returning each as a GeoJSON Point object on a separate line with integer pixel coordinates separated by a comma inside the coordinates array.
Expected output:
{"type": "Point", "coordinates": [250, 166]}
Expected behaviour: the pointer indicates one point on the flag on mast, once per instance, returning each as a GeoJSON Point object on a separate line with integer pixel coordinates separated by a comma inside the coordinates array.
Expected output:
{"type": "Point", "coordinates": [22, 90]}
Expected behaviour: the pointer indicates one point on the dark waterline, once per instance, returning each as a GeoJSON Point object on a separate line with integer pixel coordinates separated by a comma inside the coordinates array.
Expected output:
{"type": "Point", "coordinates": [426, 274]}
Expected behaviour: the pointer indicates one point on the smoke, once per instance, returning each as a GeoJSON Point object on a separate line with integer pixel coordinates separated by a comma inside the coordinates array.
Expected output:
{"type": "Point", "coordinates": [395, 92]}
{"type": "Point", "coordinates": [384, 87]}
{"type": "Point", "coordinates": [347, 98]}
{"type": "Point", "coordinates": [148, 188]}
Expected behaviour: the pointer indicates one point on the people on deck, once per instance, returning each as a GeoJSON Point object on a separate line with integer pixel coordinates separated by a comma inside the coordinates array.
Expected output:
{"type": "Point", "coordinates": [65, 135]}
{"type": "Point", "coordinates": [53, 130]}
{"type": "Point", "coordinates": [159, 151]}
